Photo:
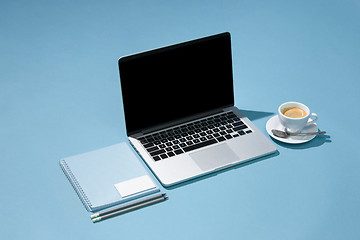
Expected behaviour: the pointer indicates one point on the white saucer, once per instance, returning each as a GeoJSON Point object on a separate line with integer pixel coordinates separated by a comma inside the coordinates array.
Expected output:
{"type": "Point", "coordinates": [274, 123]}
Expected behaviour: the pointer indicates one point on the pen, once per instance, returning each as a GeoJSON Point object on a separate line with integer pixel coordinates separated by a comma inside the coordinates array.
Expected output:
{"type": "Point", "coordinates": [127, 208]}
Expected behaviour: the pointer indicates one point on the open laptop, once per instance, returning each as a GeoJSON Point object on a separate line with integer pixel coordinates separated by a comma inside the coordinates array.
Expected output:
{"type": "Point", "coordinates": [179, 110]}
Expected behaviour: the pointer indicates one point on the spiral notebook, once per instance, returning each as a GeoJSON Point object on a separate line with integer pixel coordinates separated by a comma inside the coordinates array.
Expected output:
{"type": "Point", "coordinates": [108, 176]}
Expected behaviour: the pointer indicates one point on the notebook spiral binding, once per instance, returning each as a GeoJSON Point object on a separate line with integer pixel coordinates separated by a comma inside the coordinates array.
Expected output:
{"type": "Point", "coordinates": [81, 194]}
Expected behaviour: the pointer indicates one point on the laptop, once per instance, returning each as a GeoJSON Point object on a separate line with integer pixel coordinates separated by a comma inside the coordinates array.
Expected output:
{"type": "Point", "coordinates": [179, 110]}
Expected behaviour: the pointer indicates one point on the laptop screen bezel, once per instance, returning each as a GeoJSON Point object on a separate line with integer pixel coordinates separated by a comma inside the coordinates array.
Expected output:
{"type": "Point", "coordinates": [128, 59]}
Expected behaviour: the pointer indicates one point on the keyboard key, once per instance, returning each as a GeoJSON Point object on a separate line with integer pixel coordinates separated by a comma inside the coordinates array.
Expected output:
{"type": "Point", "coordinates": [183, 129]}
{"type": "Point", "coordinates": [216, 135]}
{"type": "Point", "coordinates": [152, 148]}
{"type": "Point", "coordinates": [179, 151]}
{"type": "Point", "coordinates": [228, 136]}
{"type": "Point", "coordinates": [235, 124]}
{"type": "Point", "coordinates": [170, 154]}
{"type": "Point", "coordinates": [240, 128]}
{"type": "Point", "coordinates": [199, 145]}
{"type": "Point", "coordinates": [197, 130]}
{"type": "Point", "coordinates": [220, 139]}
{"type": "Point", "coordinates": [145, 140]}
{"type": "Point", "coordinates": [157, 152]}
{"type": "Point", "coordinates": [147, 145]}
{"type": "Point", "coordinates": [231, 115]}
{"type": "Point", "coordinates": [156, 158]}
{"type": "Point", "coordinates": [163, 156]}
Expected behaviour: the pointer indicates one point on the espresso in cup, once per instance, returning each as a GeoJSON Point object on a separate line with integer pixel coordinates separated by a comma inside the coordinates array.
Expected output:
{"type": "Point", "coordinates": [293, 112]}
{"type": "Point", "coordinates": [295, 116]}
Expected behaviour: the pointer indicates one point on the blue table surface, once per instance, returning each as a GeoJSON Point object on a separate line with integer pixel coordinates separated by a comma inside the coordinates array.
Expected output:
{"type": "Point", "coordinates": [60, 96]}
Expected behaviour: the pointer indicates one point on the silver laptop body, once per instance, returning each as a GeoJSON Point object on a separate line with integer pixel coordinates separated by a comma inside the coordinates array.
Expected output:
{"type": "Point", "coordinates": [179, 110]}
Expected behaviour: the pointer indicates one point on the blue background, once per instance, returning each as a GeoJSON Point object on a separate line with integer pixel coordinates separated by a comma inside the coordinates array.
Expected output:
{"type": "Point", "coordinates": [60, 96]}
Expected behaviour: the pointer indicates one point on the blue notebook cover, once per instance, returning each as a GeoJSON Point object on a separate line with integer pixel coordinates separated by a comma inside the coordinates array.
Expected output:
{"type": "Point", "coordinates": [94, 175]}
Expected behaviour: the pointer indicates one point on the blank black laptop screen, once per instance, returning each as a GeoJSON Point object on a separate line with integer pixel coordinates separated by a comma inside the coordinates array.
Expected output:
{"type": "Point", "coordinates": [178, 81]}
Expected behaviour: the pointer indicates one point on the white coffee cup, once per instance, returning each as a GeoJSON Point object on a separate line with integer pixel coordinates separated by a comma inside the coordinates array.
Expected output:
{"type": "Point", "coordinates": [295, 123]}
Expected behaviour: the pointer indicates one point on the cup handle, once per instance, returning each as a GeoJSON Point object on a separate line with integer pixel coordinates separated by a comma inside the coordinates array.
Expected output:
{"type": "Point", "coordinates": [314, 117]}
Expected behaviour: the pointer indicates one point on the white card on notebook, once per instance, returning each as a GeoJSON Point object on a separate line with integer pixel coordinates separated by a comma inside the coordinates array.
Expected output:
{"type": "Point", "coordinates": [135, 185]}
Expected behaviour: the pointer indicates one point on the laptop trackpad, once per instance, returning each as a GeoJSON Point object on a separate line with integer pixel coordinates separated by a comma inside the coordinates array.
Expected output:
{"type": "Point", "coordinates": [214, 157]}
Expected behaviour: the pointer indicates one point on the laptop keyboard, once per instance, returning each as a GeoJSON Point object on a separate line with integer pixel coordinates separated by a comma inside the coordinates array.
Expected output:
{"type": "Point", "coordinates": [194, 135]}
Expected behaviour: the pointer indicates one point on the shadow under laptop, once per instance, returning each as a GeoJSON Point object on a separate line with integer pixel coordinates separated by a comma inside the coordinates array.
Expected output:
{"type": "Point", "coordinates": [254, 115]}
{"type": "Point", "coordinates": [240, 165]}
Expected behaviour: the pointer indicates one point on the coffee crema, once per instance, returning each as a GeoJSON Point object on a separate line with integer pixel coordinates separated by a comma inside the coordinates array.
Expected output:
{"type": "Point", "coordinates": [294, 112]}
